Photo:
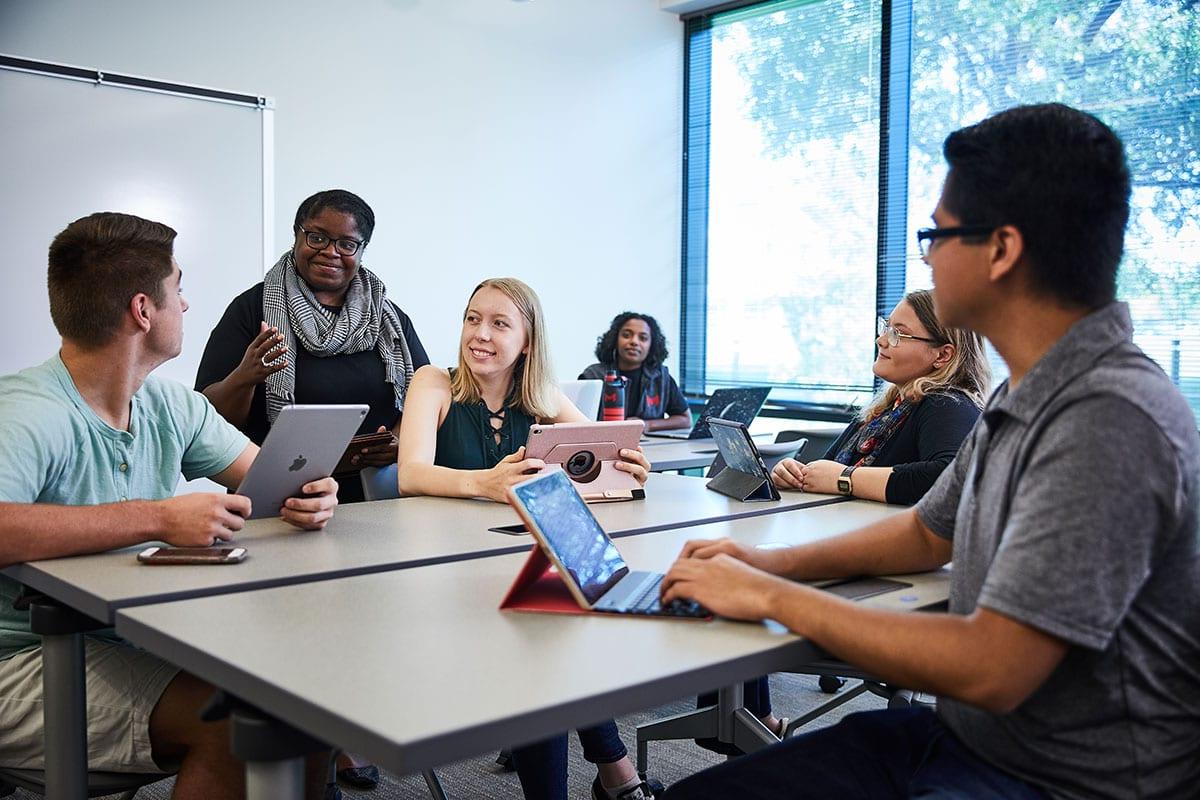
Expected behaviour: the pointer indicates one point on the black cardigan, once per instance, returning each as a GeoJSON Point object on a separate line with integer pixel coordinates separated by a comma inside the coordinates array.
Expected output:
{"type": "Point", "coordinates": [924, 446]}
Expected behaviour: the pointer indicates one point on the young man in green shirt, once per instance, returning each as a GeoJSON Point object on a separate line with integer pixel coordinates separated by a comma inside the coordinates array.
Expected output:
{"type": "Point", "coordinates": [91, 448]}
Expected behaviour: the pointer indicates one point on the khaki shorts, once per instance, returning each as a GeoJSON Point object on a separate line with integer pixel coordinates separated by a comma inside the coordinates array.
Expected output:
{"type": "Point", "coordinates": [123, 686]}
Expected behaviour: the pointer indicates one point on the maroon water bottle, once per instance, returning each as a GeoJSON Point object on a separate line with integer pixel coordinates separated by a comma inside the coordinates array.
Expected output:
{"type": "Point", "coordinates": [612, 404]}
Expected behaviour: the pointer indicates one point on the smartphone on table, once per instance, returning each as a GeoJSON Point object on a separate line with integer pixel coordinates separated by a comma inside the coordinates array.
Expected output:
{"type": "Point", "coordinates": [191, 555]}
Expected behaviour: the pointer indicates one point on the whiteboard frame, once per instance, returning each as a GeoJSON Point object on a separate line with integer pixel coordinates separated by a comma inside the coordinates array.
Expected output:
{"type": "Point", "coordinates": [264, 103]}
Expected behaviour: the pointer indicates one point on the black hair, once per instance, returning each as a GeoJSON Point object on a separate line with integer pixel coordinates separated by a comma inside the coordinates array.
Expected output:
{"type": "Point", "coordinates": [606, 345]}
{"type": "Point", "coordinates": [1060, 177]}
{"type": "Point", "coordinates": [97, 264]}
{"type": "Point", "coordinates": [338, 200]}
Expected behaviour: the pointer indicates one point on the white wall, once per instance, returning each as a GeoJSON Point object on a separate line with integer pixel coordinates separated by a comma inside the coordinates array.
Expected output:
{"type": "Point", "coordinates": [537, 139]}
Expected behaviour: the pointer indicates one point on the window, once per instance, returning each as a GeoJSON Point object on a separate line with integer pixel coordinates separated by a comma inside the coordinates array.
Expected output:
{"type": "Point", "coordinates": [812, 157]}
{"type": "Point", "coordinates": [783, 188]}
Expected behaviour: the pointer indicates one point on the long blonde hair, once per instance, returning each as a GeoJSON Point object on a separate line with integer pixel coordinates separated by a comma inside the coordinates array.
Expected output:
{"type": "Point", "coordinates": [967, 370]}
{"type": "Point", "coordinates": [534, 391]}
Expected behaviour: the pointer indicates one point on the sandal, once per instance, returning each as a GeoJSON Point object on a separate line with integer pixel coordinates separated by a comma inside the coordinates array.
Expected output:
{"type": "Point", "coordinates": [715, 745]}
{"type": "Point", "coordinates": [648, 789]}
{"type": "Point", "coordinates": [363, 778]}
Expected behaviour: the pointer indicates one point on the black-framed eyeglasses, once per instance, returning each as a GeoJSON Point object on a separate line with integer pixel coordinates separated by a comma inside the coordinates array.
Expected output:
{"type": "Point", "coordinates": [927, 236]}
{"type": "Point", "coordinates": [319, 241]}
{"type": "Point", "coordinates": [883, 328]}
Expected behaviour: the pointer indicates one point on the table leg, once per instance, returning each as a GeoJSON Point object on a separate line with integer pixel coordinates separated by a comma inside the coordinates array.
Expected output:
{"type": "Point", "coordinates": [273, 751]}
{"type": "Point", "coordinates": [64, 713]}
{"type": "Point", "coordinates": [728, 721]}
{"type": "Point", "coordinates": [275, 780]}
{"type": "Point", "coordinates": [434, 785]}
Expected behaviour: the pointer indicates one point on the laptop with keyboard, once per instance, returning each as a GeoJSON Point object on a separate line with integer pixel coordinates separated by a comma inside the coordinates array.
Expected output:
{"type": "Point", "coordinates": [584, 395]}
{"type": "Point", "coordinates": [587, 562]}
{"type": "Point", "coordinates": [736, 405]}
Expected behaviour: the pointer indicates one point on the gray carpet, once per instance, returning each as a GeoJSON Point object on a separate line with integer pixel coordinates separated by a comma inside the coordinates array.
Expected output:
{"type": "Point", "coordinates": [482, 778]}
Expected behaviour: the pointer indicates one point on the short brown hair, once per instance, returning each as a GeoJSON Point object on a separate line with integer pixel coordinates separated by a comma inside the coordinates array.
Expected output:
{"type": "Point", "coordinates": [96, 266]}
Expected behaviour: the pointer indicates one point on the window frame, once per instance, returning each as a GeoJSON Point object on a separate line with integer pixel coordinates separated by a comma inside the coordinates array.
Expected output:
{"type": "Point", "coordinates": [895, 72]}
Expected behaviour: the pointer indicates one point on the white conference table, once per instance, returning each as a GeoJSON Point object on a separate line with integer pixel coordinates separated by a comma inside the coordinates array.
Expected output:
{"type": "Point", "coordinates": [770, 426]}
{"type": "Point", "coordinates": [668, 455]}
{"type": "Point", "coordinates": [370, 537]}
{"type": "Point", "coordinates": [439, 673]}
{"type": "Point", "coordinates": [361, 539]}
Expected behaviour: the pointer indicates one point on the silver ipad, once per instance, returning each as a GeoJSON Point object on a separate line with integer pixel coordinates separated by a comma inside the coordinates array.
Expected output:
{"type": "Point", "coordinates": [303, 445]}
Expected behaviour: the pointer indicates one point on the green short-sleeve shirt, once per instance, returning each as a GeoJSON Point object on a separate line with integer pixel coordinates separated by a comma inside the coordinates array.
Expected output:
{"type": "Point", "coordinates": [55, 449]}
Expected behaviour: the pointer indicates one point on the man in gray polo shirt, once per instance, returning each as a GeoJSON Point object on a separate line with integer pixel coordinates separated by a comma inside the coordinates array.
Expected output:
{"type": "Point", "coordinates": [1069, 664]}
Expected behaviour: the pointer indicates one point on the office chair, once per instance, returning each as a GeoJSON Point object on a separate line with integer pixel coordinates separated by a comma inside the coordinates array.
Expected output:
{"type": "Point", "coordinates": [833, 674]}
{"type": "Point", "coordinates": [731, 723]}
{"type": "Point", "coordinates": [584, 395]}
{"type": "Point", "coordinates": [818, 444]}
{"type": "Point", "coordinates": [380, 483]}
{"type": "Point", "coordinates": [99, 784]}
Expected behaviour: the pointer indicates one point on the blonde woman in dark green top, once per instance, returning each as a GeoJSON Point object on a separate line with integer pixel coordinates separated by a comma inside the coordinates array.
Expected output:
{"type": "Point", "coordinates": [463, 435]}
{"type": "Point", "coordinates": [464, 429]}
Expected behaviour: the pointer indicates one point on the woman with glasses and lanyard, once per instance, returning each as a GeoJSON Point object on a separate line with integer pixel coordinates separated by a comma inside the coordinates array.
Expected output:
{"type": "Point", "coordinates": [937, 382]}
{"type": "Point", "coordinates": [318, 329]}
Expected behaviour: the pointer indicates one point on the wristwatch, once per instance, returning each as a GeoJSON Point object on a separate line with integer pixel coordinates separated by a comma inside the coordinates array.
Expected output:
{"type": "Point", "coordinates": [844, 484]}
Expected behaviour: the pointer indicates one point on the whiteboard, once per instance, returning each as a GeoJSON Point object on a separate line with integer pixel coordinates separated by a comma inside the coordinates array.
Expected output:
{"type": "Point", "coordinates": [72, 147]}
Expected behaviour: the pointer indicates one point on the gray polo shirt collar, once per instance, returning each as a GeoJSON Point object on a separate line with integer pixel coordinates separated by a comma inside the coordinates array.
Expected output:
{"type": "Point", "coordinates": [1076, 352]}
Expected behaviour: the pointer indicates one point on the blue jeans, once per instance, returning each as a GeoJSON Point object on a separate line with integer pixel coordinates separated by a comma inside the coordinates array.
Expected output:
{"type": "Point", "coordinates": [901, 753]}
{"type": "Point", "coordinates": [542, 766]}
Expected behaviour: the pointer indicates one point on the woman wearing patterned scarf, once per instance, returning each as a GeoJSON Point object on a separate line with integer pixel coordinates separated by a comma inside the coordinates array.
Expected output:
{"type": "Point", "coordinates": [938, 380]}
{"type": "Point", "coordinates": [318, 329]}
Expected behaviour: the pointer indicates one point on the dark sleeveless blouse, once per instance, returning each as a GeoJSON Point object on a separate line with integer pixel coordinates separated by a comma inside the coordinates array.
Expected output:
{"type": "Point", "coordinates": [466, 438]}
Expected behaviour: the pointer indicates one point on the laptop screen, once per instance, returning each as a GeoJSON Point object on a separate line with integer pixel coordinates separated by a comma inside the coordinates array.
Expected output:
{"type": "Point", "coordinates": [578, 541]}
{"type": "Point", "coordinates": [738, 405]}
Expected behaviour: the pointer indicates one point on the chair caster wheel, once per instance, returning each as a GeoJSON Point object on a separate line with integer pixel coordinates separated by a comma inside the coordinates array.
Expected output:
{"type": "Point", "coordinates": [830, 683]}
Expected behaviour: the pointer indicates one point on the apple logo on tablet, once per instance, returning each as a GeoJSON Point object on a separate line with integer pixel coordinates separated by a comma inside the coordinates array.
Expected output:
{"type": "Point", "coordinates": [298, 464]}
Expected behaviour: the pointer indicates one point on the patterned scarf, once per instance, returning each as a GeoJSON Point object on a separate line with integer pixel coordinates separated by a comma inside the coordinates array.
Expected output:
{"type": "Point", "coordinates": [863, 447]}
{"type": "Point", "coordinates": [366, 320]}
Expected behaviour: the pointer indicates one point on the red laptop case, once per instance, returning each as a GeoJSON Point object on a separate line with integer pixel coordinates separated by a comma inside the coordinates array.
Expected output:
{"type": "Point", "coordinates": [538, 587]}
